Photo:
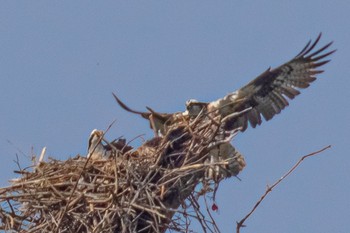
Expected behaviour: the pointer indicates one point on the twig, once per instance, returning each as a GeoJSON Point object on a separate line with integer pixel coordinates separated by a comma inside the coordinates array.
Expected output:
{"type": "Point", "coordinates": [137, 190]}
{"type": "Point", "coordinates": [240, 224]}
{"type": "Point", "coordinates": [17, 148]}
{"type": "Point", "coordinates": [211, 216]}
{"type": "Point", "coordinates": [77, 182]}
{"type": "Point", "coordinates": [17, 162]}
{"type": "Point", "coordinates": [43, 152]}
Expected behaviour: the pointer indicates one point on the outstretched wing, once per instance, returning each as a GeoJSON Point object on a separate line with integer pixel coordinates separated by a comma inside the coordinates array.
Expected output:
{"type": "Point", "coordinates": [267, 94]}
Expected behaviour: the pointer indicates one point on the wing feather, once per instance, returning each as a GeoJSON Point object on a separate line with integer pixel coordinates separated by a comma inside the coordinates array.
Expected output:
{"type": "Point", "coordinates": [126, 108]}
{"type": "Point", "coordinates": [268, 94]}
{"type": "Point", "coordinates": [254, 117]}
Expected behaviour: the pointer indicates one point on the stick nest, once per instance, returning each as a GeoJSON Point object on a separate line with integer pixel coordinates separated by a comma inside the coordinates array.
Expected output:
{"type": "Point", "coordinates": [153, 188]}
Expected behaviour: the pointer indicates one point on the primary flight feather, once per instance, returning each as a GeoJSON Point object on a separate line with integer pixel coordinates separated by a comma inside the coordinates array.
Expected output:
{"type": "Point", "coordinates": [264, 96]}
{"type": "Point", "coordinates": [267, 94]}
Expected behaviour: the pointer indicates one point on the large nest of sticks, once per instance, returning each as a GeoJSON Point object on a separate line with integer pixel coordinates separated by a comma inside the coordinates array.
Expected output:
{"type": "Point", "coordinates": [152, 188]}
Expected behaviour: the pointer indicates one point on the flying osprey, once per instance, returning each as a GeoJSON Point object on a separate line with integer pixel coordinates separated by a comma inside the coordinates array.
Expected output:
{"type": "Point", "coordinates": [266, 95]}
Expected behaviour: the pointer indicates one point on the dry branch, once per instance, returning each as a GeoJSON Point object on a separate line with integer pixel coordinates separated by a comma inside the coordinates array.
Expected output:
{"type": "Point", "coordinates": [148, 189]}
{"type": "Point", "coordinates": [240, 224]}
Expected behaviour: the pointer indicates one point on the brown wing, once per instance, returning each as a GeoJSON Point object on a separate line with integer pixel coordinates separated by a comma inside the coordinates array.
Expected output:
{"type": "Point", "coordinates": [157, 120]}
{"type": "Point", "coordinates": [126, 108]}
{"type": "Point", "coordinates": [146, 115]}
{"type": "Point", "coordinates": [267, 94]}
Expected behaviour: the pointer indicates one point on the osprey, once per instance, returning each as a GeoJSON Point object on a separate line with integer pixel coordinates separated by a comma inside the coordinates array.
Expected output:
{"type": "Point", "coordinates": [266, 95]}
{"type": "Point", "coordinates": [99, 148]}
{"type": "Point", "coordinates": [96, 150]}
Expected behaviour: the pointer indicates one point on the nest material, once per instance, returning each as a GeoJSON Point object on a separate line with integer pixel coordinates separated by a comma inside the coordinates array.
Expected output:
{"type": "Point", "coordinates": [132, 191]}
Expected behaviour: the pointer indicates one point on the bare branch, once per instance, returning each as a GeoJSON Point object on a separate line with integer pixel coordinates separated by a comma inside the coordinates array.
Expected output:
{"type": "Point", "coordinates": [240, 224]}
{"type": "Point", "coordinates": [77, 182]}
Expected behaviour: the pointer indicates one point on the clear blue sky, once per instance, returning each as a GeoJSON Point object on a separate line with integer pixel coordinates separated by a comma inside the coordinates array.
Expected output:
{"type": "Point", "coordinates": [60, 61]}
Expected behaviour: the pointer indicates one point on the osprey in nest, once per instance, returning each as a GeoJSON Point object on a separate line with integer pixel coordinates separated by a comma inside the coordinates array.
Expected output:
{"type": "Point", "coordinates": [264, 96]}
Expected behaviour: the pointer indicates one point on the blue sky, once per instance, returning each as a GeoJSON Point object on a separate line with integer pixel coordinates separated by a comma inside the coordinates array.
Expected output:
{"type": "Point", "coordinates": [61, 60]}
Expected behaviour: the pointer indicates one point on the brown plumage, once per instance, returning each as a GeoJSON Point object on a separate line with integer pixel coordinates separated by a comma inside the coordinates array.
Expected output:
{"type": "Point", "coordinates": [267, 94]}
{"type": "Point", "coordinates": [159, 122]}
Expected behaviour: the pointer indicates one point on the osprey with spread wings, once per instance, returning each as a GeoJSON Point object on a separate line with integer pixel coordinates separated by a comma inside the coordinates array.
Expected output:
{"type": "Point", "coordinates": [264, 96]}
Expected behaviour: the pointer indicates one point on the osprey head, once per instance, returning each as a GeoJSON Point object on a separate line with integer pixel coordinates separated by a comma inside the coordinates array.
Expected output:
{"type": "Point", "coordinates": [96, 149]}
{"type": "Point", "coordinates": [95, 137]}
{"type": "Point", "coordinates": [194, 107]}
